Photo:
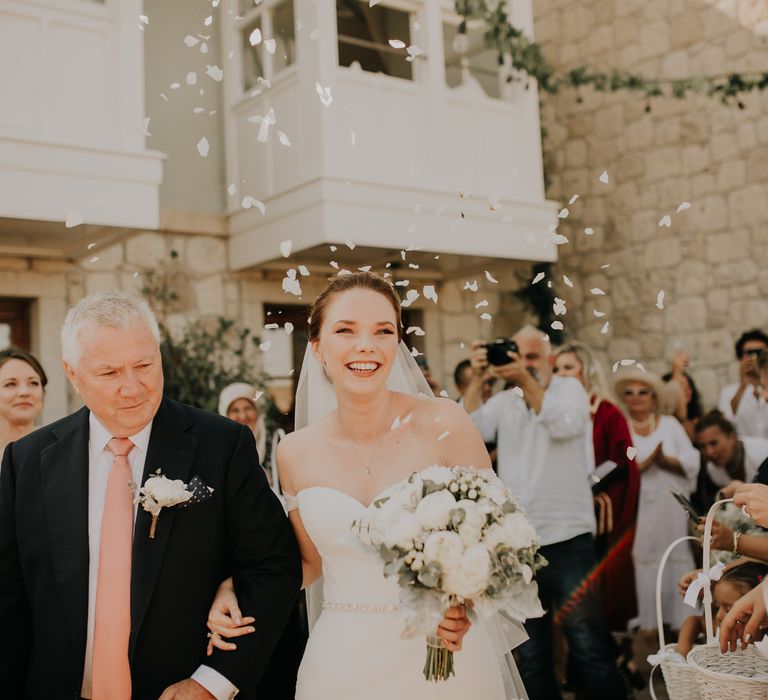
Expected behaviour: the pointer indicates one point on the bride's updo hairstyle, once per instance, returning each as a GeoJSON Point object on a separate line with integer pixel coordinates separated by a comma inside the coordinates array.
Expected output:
{"type": "Point", "coordinates": [345, 282]}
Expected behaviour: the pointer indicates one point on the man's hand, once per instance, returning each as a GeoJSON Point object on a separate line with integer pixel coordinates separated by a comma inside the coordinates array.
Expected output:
{"type": "Point", "coordinates": [186, 690]}
{"type": "Point", "coordinates": [679, 363]}
{"type": "Point", "coordinates": [722, 536]}
{"type": "Point", "coordinates": [748, 370]}
{"type": "Point", "coordinates": [754, 498]}
{"type": "Point", "coordinates": [478, 358]}
{"type": "Point", "coordinates": [453, 627]}
{"type": "Point", "coordinates": [744, 619]}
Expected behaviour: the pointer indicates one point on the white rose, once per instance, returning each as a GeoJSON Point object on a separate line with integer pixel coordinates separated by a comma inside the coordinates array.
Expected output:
{"type": "Point", "coordinates": [470, 578]}
{"type": "Point", "coordinates": [161, 492]}
{"type": "Point", "coordinates": [410, 494]}
{"type": "Point", "coordinates": [388, 515]}
{"type": "Point", "coordinates": [403, 532]}
{"type": "Point", "coordinates": [472, 526]}
{"type": "Point", "coordinates": [519, 532]}
{"type": "Point", "coordinates": [434, 510]}
{"type": "Point", "coordinates": [444, 548]}
{"type": "Point", "coordinates": [494, 536]}
{"type": "Point", "coordinates": [439, 475]}
{"type": "Point", "coordinates": [495, 490]}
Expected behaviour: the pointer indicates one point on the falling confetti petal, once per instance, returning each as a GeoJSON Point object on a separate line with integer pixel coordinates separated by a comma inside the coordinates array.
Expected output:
{"type": "Point", "coordinates": [249, 202]}
{"type": "Point", "coordinates": [589, 231]}
{"type": "Point", "coordinates": [202, 147]}
{"type": "Point", "coordinates": [325, 94]}
{"type": "Point", "coordinates": [288, 327]}
{"type": "Point", "coordinates": [215, 72]}
{"type": "Point", "coordinates": [597, 291]}
{"type": "Point", "coordinates": [666, 220]}
{"type": "Point", "coordinates": [604, 329]}
{"type": "Point", "coordinates": [285, 248]}
{"type": "Point", "coordinates": [482, 304]}
{"type": "Point", "coordinates": [604, 177]}
{"type": "Point", "coordinates": [192, 79]}
{"type": "Point", "coordinates": [559, 307]}
{"type": "Point", "coordinates": [144, 19]}
{"type": "Point", "coordinates": [232, 190]}
{"type": "Point", "coordinates": [265, 346]}
{"type": "Point", "coordinates": [560, 239]}
{"type": "Point", "coordinates": [563, 214]}
{"type": "Point", "coordinates": [430, 293]}
{"type": "Point", "coordinates": [660, 300]}
{"type": "Point", "coordinates": [283, 137]}
{"type": "Point", "coordinates": [397, 44]}
{"type": "Point", "coordinates": [557, 325]}
{"type": "Point", "coordinates": [334, 264]}
{"type": "Point", "coordinates": [255, 37]}
{"type": "Point", "coordinates": [471, 286]}
{"type": "Point", "coordinates": [631, 452]}
{"type": "Point", "coordinates": [94, 259]}
{"type": "Point", "coordinates": [271, 327]}
{"type": "Point", "coordinates": [567, 280]}
{"type": "Point", "coordinates": [290, 284]}
{"type": "Point", "coordinates": [410, 297]}
{"type": "Point", "coordinates": [303, 271]}
{"type": "Point", "coordinates": [490, 278]}
{"type": "Point", "coordinates": [415, 329]}
{"type": "Point", "coordinates": [486, 317]}
{"type": "Point", "coordinates": [208, 21]}
{"type": "Point", "coordinates": [91, 246]}
{"type": "Point", "coordinates": [191, 41]}
{"type": "Point", "coordinates": [683, 207]}
{"type": "Point", "coordinates": [538, 278]}
{"type": "Point", "coordinates": [350, 245]}
{"type": "Point", "coordinates": [598, 314]}
{"type": "Point", "coordinates": [74, 218]}
{"type": "Point", "coordinates": [144, 130]}
{"type": "Point", "coordinates": [270, 45]}
{"type": "Point", "coordinates": [573, 199]}
{"type": "Point", "coordinates": [444, 435]}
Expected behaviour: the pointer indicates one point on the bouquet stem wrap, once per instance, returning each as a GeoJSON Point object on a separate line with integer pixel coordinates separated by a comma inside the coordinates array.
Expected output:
{"type": "Point", "coordinates": [439, 664]}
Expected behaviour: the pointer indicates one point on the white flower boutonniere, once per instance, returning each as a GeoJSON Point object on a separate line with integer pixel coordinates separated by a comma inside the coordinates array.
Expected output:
{"type": "Point", "coordinates": [161, 492]}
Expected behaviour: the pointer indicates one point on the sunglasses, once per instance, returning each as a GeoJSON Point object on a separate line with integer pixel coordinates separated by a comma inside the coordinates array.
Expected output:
{"type": "Point", "coordinates": [756, 352]}
{"type": "Point", "coordinates": [637, 392]}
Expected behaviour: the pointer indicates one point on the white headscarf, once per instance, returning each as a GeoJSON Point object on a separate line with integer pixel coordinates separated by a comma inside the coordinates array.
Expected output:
{"type": "Point", "coordinates": [241, 390]}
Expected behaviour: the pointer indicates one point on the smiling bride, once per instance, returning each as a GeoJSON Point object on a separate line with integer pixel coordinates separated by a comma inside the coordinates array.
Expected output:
{"type": "Point", "coordinates": [369, 423]}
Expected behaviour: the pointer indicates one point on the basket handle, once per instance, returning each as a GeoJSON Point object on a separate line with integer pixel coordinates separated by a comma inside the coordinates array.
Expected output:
{"type": "Point", "coordinates": [659, 576]}
{"type": "Point", "coordinates": [707, 564]}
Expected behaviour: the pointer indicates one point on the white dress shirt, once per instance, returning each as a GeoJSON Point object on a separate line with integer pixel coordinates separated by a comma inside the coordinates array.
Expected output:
{"type": "Point", "coordinates": [542, 457]}
{"type": "Point", "coordinates": [751, 417]}
{"type": "Point", "coordinates": [99, 465]}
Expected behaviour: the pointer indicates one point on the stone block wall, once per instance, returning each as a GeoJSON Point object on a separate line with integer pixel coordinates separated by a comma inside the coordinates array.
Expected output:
{"type": "Point", "coordinates": [710, 261]}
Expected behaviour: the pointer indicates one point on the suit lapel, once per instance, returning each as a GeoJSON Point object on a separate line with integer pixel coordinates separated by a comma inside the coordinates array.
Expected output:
{"type": "Point", "coordinates": [64, 478]}
{"type": "Point", "coordinates": [172, 451]}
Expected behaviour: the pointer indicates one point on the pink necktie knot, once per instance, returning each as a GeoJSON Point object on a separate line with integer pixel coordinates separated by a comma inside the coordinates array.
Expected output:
{"type": "Point", "coordinates": [120, 447]}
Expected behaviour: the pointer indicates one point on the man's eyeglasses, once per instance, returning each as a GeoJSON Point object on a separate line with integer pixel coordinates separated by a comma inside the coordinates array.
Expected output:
{"type": "Point", "coordinates": [754, 352]}
{"type": "Point", "coordinates": [637, 392]}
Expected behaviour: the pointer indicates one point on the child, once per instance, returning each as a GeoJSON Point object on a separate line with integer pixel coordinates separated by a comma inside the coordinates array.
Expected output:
{"type": "Point", "coordinates": [735, 582]}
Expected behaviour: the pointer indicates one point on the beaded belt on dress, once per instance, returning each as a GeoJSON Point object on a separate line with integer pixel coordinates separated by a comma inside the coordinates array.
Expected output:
{"type": "Point", "coordinates": [361, 607]}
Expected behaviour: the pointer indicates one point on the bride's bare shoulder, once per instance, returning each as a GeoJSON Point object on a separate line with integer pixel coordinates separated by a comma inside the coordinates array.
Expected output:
{"type": "Point", "coordinates": [439, 414]}
{"type": "Point", "coordinates": [296, 450]}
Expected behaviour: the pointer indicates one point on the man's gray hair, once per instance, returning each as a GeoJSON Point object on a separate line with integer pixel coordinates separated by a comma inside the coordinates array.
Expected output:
{"type": "Point", "coordinates": [529, 331]}
{"type": "Point", "coordinates": [115, 309]}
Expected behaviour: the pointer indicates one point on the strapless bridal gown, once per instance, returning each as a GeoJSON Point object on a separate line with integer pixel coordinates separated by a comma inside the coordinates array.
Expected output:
{"type": "Point", "coordinates": [355, 651]}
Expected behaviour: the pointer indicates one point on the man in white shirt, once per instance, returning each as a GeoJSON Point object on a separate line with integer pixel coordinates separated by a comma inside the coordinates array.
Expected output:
{"type": "Point", "coordinates": [744, 402]}
{"type": "Point", "coordinates": [541, 426]}
{"type": "Point", "coordinates": [98, 598]}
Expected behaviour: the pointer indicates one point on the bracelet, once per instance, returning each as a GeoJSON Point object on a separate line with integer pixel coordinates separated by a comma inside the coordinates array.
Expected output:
{"type": "Point", "coordinates": [736, 536]}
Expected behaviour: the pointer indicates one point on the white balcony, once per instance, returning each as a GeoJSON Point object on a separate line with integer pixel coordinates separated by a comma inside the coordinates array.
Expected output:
{"type": "Point", "coordinates": [390, 162]}
{"type": "Point", "coordinates": [71, 138]}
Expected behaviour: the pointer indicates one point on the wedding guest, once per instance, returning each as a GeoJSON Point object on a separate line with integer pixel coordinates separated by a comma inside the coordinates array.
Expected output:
{"type": "Point", "coordinates": [22, 392]}
{"type": "Point", "coordinates": [616, 496]}
{"type": "Point", "coordinates": [542, 426]}
{"type": "Point", "coordinates": [239, 403]}
{"type": "Point", "coordinates": [462, 376]}
{"type": "Point", "coordinates": [666, 460]}
{"type": "Point", "coordinates": [689, 409]}
{"type": "Point", "coordinates": [421, 361]}
{"type": "Point", "coordinates": [730, 459]}
{"type": "Point", "coordinates": [744, 402]}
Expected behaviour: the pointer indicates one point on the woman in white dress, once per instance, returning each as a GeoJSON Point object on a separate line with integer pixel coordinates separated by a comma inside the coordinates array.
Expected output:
{"type": "Point", "coordinates": [666, 460]}
{"type": "Point", "coordinates": [331, 471]}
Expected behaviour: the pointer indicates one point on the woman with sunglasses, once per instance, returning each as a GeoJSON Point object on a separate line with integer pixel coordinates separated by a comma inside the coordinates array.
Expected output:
{"type": "Point", "coordinates": [666, 460]}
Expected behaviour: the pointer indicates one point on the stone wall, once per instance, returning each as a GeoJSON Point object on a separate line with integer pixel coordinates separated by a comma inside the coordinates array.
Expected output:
{"type": "Point", "coordinates": [710, 260]}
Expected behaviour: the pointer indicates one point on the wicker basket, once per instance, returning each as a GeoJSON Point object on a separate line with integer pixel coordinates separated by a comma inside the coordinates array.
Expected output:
{"type": "Point", "coordinates": [678, 677]}
{"type": "Point", "coordinates": [737, 675]}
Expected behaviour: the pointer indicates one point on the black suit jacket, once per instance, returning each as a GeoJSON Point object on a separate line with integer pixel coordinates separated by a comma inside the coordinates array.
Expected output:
{"type": "Point", "coordinates": [241, 530]}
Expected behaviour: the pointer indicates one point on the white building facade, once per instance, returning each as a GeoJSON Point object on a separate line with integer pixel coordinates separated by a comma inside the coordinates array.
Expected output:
{"type": "Point", "coordinates": [266, 145]}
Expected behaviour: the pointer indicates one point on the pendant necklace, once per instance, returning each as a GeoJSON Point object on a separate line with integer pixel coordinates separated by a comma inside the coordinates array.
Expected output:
{"type": "Point", "coordinates": [368, 466]}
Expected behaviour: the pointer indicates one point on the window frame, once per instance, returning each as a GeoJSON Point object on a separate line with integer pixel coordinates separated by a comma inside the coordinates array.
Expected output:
{"type": "Point", "coordinates": [16, 313]}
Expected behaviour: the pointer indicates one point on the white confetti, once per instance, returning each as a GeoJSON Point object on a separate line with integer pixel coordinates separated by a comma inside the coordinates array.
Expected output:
{"type": "Point", "coordinates": [557, 325]}
{"type": "Point", "coordinates": [203, 48]}
{"type": "Point", "coordinates": [94, 259]}
{"type": "Point", "coordinates": [560, 239]}
{"type": "Point", "coordinates": [471, 286]}
{"type": "Point", "coordinates": [563, 214]}
{"type": "Point", "coordinates": [589, 231]}
{"type": "Point", "coordinates": [444, 435]}
{"type": "Point", "coordinates": [232, 190]}
{"type": "Point", "coordinates": [208, 21]}
{"type": "Point", "coordinates": [249, 202]}
{"type": "Point", "coordinates": [365, 268]}
{"type": "Point", "coordinates": [573, 199]}
{"type": "Point", "coordinates": [334, 264]}
{"type": "Point", "coordinates": [254, 39]}
{"type": "Point", "coordinates": [410, 297]}
{"type": "Point", "coordinates": [567, 280]}
{"type": "Point", "coordinates": [598, 314]}
{"type": "Point", "coordinates": [175, 86]}
{"type": "Point", "coordinates": [414, 52]}
{"type": "Point", "coordinates": [350, 245]}
{"type": "Point", "coordinates": [631, 452]}
{"type": "Point", "coordinates": [303, 271]}
{"type": "Point", "coordinates": [491, 278]}
{"type": "Point", "coordinates": [604, 177]}
{"type": "Point", "coordinates": [666, 220]}
{"type": "Point", "coordinates": [559, 307]}
{"type": "Point", "coordinates": [660, 300]}
{"type": "Point", "coordinates": [265, 346]}
{"type": "Point", "coordinates": [283, 137]}
{"type": "Point", "coordinates": [486, 317]}
{"type": "Point", "coordinates": [144, 130]}
{"type": "Point", "coordinates": [271, 326]}
{"type": "Point", "coordinates": [290, 284]}
{"type": "Point", "coordinates": [270, 45]}
{"type": "Point", "coordinates": [202, 147]}
{"type": "Point", "coordinates": [191, 41]}
{"type": "Point", "coordinates": [397, 44]}
{"type": "Point", "coordinates": [74, 218]}
{"type": "Point", "coordinates": [144, 19]}
{"type": "Point", "coordinates": [215, 72]}
{"type": "Point", "coordinates": [285, 248]}
{"type": "Point", "coordinates": [192, 78]}
{"type": "Point", "coordinates": [683, 207]}
{"type": "Point", "coordinates": [604, 329]}
{"type": "Point", "coordinates": [430, 293]}
{"type": "Point", "coordinates": [325, 94]}
{"type": "Point", "coordinates": [288, 327]}
{"type": "Point", "coordinates": [91, 246]}
{"type": "Point", "coordinates": [402, 283]}
{"type": "Point", "coordinates": [538, 278]}
{"type": "Point", "coordinates": [597, 291]}
{"type": "Point", "coordinates": [415, 329]}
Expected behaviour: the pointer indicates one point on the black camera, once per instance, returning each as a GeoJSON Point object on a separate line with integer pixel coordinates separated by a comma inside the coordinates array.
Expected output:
{"type": "Point", "coordinates": [499, 349]}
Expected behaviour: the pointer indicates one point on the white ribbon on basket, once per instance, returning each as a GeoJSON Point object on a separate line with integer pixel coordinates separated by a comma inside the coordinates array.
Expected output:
{"type": "Point", "coordinates": [702, 580]}
{"type": "Point", "coordinates": [666, 655]}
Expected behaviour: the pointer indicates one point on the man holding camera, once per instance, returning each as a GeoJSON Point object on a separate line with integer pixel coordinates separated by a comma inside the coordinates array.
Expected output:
{"type": "Point", "coordinates": [744, 403]}
{"type": "Point", "coordinates": [543, 429]}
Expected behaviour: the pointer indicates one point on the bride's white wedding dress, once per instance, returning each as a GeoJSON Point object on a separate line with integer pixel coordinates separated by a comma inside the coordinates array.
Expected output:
{"type": "Point", "coordinates": [355, 650]}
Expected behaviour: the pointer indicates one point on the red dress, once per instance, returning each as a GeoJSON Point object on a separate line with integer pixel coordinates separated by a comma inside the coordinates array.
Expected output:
{"type": "Point", "coordinates": [615, 573]}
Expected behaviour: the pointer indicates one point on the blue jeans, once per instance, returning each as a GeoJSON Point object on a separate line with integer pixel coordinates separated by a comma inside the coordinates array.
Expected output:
{"type": "Point", "coordinates": [565, 594]}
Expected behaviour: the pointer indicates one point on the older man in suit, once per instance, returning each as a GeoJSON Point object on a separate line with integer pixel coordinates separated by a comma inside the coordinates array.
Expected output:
{"type": "Point", "coordinates": [95, 601]}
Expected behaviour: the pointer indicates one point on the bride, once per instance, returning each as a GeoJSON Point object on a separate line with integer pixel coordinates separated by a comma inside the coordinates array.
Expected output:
{"type": "Point", "coordinates": [347, 456]}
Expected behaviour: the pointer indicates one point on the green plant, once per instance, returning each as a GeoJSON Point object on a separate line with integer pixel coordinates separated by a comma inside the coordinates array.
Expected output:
{"type": "Point", "coordinates": [527, 57]}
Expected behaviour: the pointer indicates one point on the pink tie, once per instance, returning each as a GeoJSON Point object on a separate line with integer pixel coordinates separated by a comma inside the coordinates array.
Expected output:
{"type": "Point", "coordinates": [111, 677]}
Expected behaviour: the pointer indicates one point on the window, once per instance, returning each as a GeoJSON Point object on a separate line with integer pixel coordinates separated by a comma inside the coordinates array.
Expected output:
{"type": "Point", "coordinates": [267, 39]}
{"type": "Point", "coordinates": [480, 63]}
{"type": "Point", "coordinates": [14, 323]}
{"type": "Point", "coordinates": [365, 33]}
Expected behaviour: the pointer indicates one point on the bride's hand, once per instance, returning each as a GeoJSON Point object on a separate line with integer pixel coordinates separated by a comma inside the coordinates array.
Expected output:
{"type": "Point", "coordinates": [453, 627]}
{"type": "Point", "coordinates": [225, 619]}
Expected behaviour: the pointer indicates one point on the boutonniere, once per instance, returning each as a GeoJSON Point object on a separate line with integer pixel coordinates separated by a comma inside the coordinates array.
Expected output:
{"type": "Point", "coordinates": [161, 492]}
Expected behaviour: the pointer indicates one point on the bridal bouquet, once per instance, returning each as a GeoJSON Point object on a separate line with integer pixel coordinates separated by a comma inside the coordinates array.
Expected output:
{"type": "Point", "coordinates": [451, 536]}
